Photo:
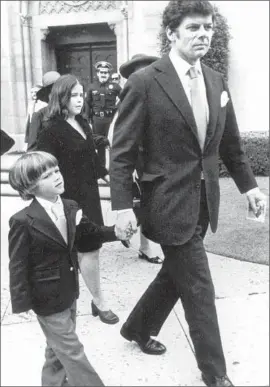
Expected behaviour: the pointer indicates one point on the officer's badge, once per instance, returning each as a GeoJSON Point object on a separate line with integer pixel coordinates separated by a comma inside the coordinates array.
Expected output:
{"type": "Point", "coordinates": [94, 92]}
{"type": "Point", "coordinates": [110, 86]}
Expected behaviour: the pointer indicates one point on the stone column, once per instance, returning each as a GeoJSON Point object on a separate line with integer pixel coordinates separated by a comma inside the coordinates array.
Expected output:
{"type": "Point", "coordinates": [7, 78]}
{"type": "Point", "coordinates": [125, 29]}
{"type": "Point", "coordinates": [13, 73]}
{"type": "Point", "coordinates": [138, 38]}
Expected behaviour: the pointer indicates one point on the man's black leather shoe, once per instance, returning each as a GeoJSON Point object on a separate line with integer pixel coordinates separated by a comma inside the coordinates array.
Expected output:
{"type": "Point", "coordinates": [215, 381]}
{"type": "Point", "coordinates": [149, 346]}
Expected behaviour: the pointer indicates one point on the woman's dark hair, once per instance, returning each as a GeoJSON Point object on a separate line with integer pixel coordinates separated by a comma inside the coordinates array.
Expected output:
{"type": "Point", "coordinates": [60, 96]}
{"type": "Point", "coordinates": [176, 11]}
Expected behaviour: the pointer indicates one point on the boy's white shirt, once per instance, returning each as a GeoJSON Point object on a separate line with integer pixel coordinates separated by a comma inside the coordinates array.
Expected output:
{"type": "Point", "coordinates": [47, 205]}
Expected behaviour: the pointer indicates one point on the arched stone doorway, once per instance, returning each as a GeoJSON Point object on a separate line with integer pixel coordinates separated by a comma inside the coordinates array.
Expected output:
{"type": "Point", "coordinates": [78, 48]}
{"type": "Point", "coordinates": [69, 36]}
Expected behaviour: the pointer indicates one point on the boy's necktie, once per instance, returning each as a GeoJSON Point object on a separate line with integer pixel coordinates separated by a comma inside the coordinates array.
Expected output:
{"type": "Point", "coordinates": [198, 104]}
{"type": "Point", "coordinates": [60, 219]}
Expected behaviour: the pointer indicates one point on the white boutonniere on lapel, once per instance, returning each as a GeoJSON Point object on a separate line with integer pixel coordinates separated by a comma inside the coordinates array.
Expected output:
{"type": "Point", "coordinates": [224, 98]}
{"type": "Point", "coordinates": [78, 217]}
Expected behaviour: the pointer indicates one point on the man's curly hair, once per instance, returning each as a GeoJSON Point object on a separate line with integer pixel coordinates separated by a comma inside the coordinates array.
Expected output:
{"type": "Point", "coordinates": [175, 11]}
{"type": "Point", "coordinates": [218, 57]}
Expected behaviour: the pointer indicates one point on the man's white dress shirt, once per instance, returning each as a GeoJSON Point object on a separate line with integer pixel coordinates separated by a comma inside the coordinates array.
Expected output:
{"type": "Point", "coordinates": [182, 68]}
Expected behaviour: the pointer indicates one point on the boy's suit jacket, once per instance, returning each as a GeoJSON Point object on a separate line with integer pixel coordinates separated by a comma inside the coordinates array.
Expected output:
{"type": "Point", "coordinates": [43, 268]}
{"type": "Point", "coordinates": [155, 110]}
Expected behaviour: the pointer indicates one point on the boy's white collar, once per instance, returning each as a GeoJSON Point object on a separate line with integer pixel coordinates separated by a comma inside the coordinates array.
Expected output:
{"type": "Point", "coordinates": [47, 204]}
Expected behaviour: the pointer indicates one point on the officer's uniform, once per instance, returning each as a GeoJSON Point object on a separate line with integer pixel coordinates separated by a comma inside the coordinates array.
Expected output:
{"type": "Point", "coordinates": [100, 108]}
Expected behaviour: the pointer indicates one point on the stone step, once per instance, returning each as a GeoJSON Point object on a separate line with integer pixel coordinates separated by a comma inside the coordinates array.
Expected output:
{"type": "Point", "coordinates": [105, 193]}
{"type": "Point", "coordinates": [8, 160]}
{"type": "Point", "coordinates": [4, 177]}
{"type": "Point", "coordinates": [7, 190]}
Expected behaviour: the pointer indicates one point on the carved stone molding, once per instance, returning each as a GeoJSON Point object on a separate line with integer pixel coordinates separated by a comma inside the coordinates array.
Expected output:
{"type": "Point", "coordinates": [75, 3]}
{"type": "Point", "coordinates": [25, 19]}
{"type": "Point", "coordinates": [51, 7]}
{"type": "Point", "coordinates": [112, 26]}
{"type": "Point", "coordinates": [124, 11]}
{"type": "Point", "coordinates": [44, 33]}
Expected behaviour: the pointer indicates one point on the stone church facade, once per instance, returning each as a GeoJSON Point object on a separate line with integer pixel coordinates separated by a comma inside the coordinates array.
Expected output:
{"type": "Point", "coordinates": [70, 36]}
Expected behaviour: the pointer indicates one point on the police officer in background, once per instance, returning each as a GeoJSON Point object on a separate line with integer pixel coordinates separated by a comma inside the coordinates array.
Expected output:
{"type": "Point", "coordinates": [116, 78]}
{"type": "Point", "coordinates": [100, 104]}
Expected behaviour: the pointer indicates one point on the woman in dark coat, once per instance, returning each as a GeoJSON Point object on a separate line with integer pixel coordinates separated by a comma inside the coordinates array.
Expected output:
{"type": "Point", "coordinates": [68, 137]}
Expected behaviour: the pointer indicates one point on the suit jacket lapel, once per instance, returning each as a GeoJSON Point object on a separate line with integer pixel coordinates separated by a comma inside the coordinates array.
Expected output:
{"type": "Point", "coordinates": [43, 223]}
{"type": "Point", "coordinates": [213, 98]}
{"type": "Point", "coordinates": [168, 79]}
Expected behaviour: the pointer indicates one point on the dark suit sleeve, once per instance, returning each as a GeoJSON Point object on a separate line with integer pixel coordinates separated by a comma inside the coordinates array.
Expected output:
{"type": "Point", "coordinates": [127, 136]}
{"type": "Point", "coordinates": [232, 153]}
{"type": "Point", "coordinates": [118, 90]}
{"type": "Point", "coordinates": [97, 141]}
{"type": "Point", "coordinates": [19, 242]}
{"type": "Point", "coordinates": [89, 235]}
{"type": "Point", "coordinates": [7, 142]}
{"type": "Point", "coordinates": [47, 142]}
{"type": "Point", "coordinates": [100, 141]}
{"type": "Point", "coordinates": [101, 171]}
{"type": "Point", "coordinates": [34, 130]}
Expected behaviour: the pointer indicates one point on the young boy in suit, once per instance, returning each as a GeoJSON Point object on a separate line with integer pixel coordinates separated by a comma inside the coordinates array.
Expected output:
{"type": "Point", "coordinates": [43, 242]}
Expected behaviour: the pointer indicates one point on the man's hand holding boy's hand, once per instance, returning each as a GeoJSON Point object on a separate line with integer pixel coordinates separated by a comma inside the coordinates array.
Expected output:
{"type": "Point", "coordinates": [124, 235]}
{"type": "Point", "coordinates": [257, 200]}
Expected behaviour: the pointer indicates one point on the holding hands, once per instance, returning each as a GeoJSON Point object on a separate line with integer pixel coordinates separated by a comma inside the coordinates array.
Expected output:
{"type": "Point", "coordinates": [257, 201]}
{"type": "Point", "coordinates": [126, 224]}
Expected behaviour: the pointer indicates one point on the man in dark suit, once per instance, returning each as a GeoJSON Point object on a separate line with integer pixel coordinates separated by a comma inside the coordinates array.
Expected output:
{"type": "Point", "coordinates": [182, 113]}
{"type": "Point", "coordinates": [38, 121]}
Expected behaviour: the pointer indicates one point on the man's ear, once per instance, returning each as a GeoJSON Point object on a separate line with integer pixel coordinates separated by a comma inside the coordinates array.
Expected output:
{"type": "Point", "coordinates": [170, 34]}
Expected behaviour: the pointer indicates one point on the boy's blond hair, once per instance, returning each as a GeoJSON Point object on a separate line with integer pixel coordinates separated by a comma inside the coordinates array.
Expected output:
{"type": "Point", "coordinates": [27, 170]}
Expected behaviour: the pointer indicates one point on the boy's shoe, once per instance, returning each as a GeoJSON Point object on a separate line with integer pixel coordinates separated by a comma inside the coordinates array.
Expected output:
{"type": "Point", "coordinates": [216, 381]}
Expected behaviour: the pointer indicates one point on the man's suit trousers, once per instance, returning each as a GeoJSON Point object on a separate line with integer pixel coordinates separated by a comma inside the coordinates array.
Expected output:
{"type": "Point", "coordinates": [184, 274]}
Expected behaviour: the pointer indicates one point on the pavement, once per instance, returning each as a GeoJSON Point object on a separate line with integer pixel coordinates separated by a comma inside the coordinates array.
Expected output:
{"type": "Point", "coordinates": [242, 300]}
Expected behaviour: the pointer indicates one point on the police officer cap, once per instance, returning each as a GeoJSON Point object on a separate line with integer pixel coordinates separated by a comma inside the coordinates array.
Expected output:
{"type": "Point", "coordinates": [103, 65]}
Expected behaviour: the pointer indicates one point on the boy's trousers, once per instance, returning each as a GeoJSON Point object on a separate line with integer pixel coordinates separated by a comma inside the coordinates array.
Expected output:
{"type": "Point", "coordinates": [65, 357]}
